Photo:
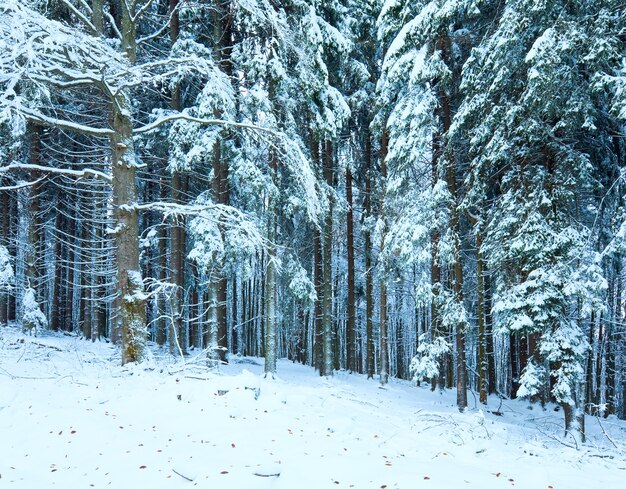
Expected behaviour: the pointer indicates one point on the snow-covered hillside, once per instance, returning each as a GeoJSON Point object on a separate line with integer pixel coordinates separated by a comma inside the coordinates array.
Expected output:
{"type": "Point", "coordinates": [71, 417]}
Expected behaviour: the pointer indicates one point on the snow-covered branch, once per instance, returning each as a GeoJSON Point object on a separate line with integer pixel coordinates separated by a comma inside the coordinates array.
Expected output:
{"type": "Point", "coordinates": [87, 173]}
{"type": "Point", "coordinates": [161, 29]}
{"type": "Point", "coordinates": [82, 17]}
{"type": "Point", "coordinates": [22, 185]}
{"type": "Point", "coordinates": [37, 116]}
{"type": "Point", "coordinates": [204, 122]}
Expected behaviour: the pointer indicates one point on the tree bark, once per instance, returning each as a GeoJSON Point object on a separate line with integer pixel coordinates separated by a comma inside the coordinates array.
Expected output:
{"type": "Point", "coordinates": [350, 326]}
{"type": "Point", "coordinates": [457, 266]}
{"type": "Point", "coordinates": [369, 284]}
{"type": "Point", "coordinates": [327, 261]}
{"type": "Point", "coordinates": [132, 300]}
{"type": "Point", "coordinates": [483, 367]}
{"type": "Point", "coordinates": [384, 333]}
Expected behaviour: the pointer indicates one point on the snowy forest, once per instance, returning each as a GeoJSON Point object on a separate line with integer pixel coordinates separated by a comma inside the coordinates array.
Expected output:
{"type": "Point", "coordinates": [422, 190]}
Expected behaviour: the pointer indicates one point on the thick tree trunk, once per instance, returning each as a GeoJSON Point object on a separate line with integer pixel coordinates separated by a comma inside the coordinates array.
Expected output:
{"type": "Point", "coordinates": [97, 18]}
{"type": "Point", "coordinates": [132, 299]}
{"type": "Point", "coordinates": [271, 344]}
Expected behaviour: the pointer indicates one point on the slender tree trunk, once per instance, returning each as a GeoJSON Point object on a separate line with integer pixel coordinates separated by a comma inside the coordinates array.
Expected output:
{"type": "Point", "coordinates": [351, 364]}
{"type": "Point", "coordinates": [4, 241]}
{"type": "Point", "coordinates": [177, 340]}
{"type": "Point", "coordinates": [491, 356]}
{"type": "Point", "coordinates": [318, 353]}
{"type": "Point", "coordinates": [435, 270]}
{"type": "Point", "coordinates": [270, 304]}
{"type": "Point", "coordinates": [384, 333]}
{"type": "Point", "coordinates": [327, 261]}
{"type": "Point", "coordinates": [369, 284]}
{"type": "Point", "coordinates": [222, 38]}
{"type": "Point", "coordinates": [482, 363]}
{"type": "Point", "coordinates": [34, 272]}
{"type": "Point", "coordinates": [461, 373]}
{"type": "Point", "coordinates": [236, 304]}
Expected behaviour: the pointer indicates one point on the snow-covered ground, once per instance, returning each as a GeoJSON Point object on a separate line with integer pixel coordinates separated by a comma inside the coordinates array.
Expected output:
{"type": "Point", "coordinates": [71, 417]}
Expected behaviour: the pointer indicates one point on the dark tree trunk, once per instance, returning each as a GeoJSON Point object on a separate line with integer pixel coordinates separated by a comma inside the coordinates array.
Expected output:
{"type": "Point", "coordinates": [351, 319]}
{"type": "Point", "coordinates": [369, 284]}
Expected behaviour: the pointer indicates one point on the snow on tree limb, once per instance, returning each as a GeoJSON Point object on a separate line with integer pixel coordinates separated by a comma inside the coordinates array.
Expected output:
{"type": "Point", "coordinates": [87, 173]}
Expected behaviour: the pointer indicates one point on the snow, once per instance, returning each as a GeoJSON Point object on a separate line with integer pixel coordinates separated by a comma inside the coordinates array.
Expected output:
{"type": "Point", "coordinates": [70, 416]}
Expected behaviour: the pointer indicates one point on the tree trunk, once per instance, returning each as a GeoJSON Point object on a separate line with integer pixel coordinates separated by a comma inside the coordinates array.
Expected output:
{"type": "Point", "coordinates": [350, 326]}
{"type": "Point", "coordinates": [132, 300]}
{"type": "Point", "coordinates": [270, 278]}
{"type": "Point", "coordinates": [270, 299]}
{"type": "Point", "coordinates": [177, 339]}
{"type": "Point", "coordinates": [483, 367]}
{"type": "Point", "coordinates": [369, 284]}
{"type": "Point", "coordinates": [97, 18]}
{"type": "Point", "coordinates": [384, 333]}
{"type": "Point", "coordinates": [327, 261]}
{"type": "Point", "coordinates": [491, 357]}
{"type": "Point", "coordinates": [4, 241]}
{"type": "Point", "coordinates": [318, 352]}
{"type": "Point", "coordinates": [222, 38]}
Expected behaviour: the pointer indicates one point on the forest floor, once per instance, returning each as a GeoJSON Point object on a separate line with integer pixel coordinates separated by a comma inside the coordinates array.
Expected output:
{"type": "Point", "coordinates": [71, 417]}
